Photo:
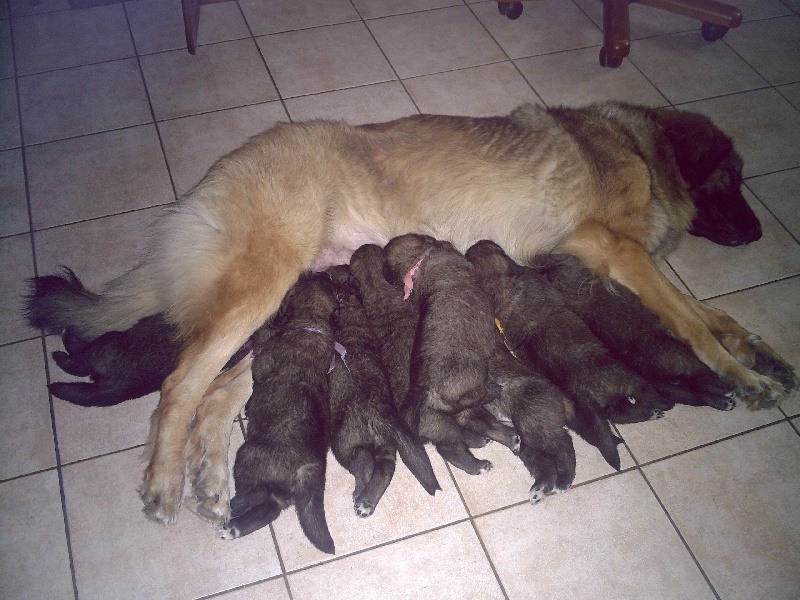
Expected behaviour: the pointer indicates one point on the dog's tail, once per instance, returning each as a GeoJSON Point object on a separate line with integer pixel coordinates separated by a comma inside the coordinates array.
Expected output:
{"type": "Point", "coordinates": [309, 502]}
{"type": "Point", "coordinates": [414, 456]}
{"type": "Point", "coordinates": [59, 302]}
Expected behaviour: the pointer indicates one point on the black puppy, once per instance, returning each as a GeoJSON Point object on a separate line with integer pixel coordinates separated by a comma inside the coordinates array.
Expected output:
{"type": "Point", "coordinates": [453, 344]}
{"type": "Point", "coordinates": [366, 430]}
{"type": "Point", "coordinates": [282, 462]}
{"type": "Point", "coordinates": [634, 334]}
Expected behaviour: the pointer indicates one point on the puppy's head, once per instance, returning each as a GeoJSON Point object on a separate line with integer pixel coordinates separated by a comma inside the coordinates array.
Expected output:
{"type": "Point", "coordinates": [713, 171]}
{"type": "Point", "coordinates": [404, 256]}
{"type": "Point", "coordinates": [366, 266]}
{"type": "Point", "coordinates": [490, 260]}
{"type": "Point", "coordinates": [311, 298]}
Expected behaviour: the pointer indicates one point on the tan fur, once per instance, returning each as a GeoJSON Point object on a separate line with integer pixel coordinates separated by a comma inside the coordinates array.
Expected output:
{"type": "Point", "coordinates": [599, 184]}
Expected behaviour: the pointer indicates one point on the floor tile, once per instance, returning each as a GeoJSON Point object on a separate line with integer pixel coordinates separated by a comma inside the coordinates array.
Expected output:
{"type": "Point", "coordinates": [17, 261]}
{"type": "Point", "coordinates": [370, 9]}
{"type": "Point", "coordinates": [753, 10]}
{"type": "Point", "coordinates": [13, 201]}
{"type": "Point", "coordinates": [404, 509]}
{"type": "Point", "coordinates": [273, 16]}
{"type": "Point", "coordinates": [97, 175]}
{"type": "Point", "coordinates": [434, 41]}
{"type": "Point", "coordinates": [545, 26]}
{"type": "Point", "coordinates": [82, 100]}
{"type": "Point", "coordinates": [792, 93]}
{"type": "Point", "coordinates": [26, 443]}
{"type": "Point", "coordinates": [613, 529]}
{"type": "Point", "coordinates": [483, 91]}
{"type": "Point", "coordinates": [509, 481]}
{"type": "Point", "coordinates": [646, 21]}
{"type": "Point", "coordinates": [765, 45]}
{"type": "Point", "coordinates": [748, 545]}
{"type": "Point", "coordinates": [84, 432]}
{"type": "Point", "coordinates": [193, 144]}
{"type": "Point", "coordinates": [97, 250]}
{"type": "Point", "coordinates": [6, 55]}
{"type": "Point", "coordinates": [712, 270]}
{"type": "Point", "coordinates": [367, 104]}
{"type": "Point", "coordinates": [764, 126]}
{"type": "Point", "coordinates": [70, 38]}
{"type": "Point", "coordinates": [687, 427]}
{"type": "Point", "coordinates": [274, 589]}
{"type": "Point", "coordinates": [34, 562]}
{"type": "Point", "coordinates": [157, 25]}
{"type": "Point", "coordinates": [779, 192]}
{"type": "Point", "coordinates": [446, 563]}
{"type": "Point", "coordinates": [793, 5]}
{"type": "Point", "coordinates": [118, 553]}
{"type": "Point", "coordinates": [575, 78]}
{"type": "Point", "coordinates": [24, 7]}
{"type": "Point", "coordinates": [219, 76]}
{"type": "Point", "coordinates": [772, 312]}
{"type": "Point", "coordinates": [324, 59]}
{"type": "Point", "coordinates": [684, 67]}
{"type": "Point", "coordinates": [9, 115]}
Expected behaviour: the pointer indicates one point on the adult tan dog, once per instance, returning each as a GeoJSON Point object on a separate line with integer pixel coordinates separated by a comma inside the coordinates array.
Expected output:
{"type": "Point", "coordinates": [616, 185]}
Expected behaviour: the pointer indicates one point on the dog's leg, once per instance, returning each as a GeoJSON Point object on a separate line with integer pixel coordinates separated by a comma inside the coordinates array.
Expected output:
{"type": "Point", "coordinates": [209, 438]}
{"type": "Point", "coordinates": [369, 497]}
{"type": "Point", "coordinates": [748, 348]}
{"type": "Point", "coordinates": [362, 466]}
{"type": "Point", "coordinates": [627, 262]}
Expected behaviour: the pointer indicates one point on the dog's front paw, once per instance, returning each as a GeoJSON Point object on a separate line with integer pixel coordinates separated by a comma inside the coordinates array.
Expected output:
{"type": "Point", "coordinates": [210, 498]}
{"type": "Point", "coordinates": [762, 393]}
{"type": "Point", "coordinates": [771, 365]}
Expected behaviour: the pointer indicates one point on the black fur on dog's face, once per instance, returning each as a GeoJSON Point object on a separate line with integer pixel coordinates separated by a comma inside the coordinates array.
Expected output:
{"type": "Point", "coordinates": [713, 171]}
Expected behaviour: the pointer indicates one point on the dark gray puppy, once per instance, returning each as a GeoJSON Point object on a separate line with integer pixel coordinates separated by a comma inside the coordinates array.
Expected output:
{"type": "Point", "coordinates": [282, 462]}
{"type": "Point", "coordinates": [394, 322]}
{"type": "Point", "coordinates": [634, 334]}
{"type": "Point", "coordinates": [366, 430]}
{"type": "Point", "coordinates": [542, 331]}
{"type": "Point", "coordinates": [453, 344]}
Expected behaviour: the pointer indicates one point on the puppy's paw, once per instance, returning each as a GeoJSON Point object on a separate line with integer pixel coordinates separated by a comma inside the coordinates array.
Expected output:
{"type": "Point", "coordinates": [539, 492]}
{"type": "Point", "coordinates": [657, 414]}
{"type": "Point", "coordinates": [516, 442]}
{"type": "Point", "coordinates": [485, 467]}
{"type": "Point", "coordinates": [364, 509]}
{"type": "Point", "coordinates": [229, 532]}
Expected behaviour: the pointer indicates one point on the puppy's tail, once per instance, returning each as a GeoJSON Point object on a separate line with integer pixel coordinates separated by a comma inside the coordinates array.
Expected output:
{"type": "Point", "coordinates": [309, 502]}
{"type": "Point", "coordinates": [413, 454]}
{"type": "Point", "coordinates": [59, 302]}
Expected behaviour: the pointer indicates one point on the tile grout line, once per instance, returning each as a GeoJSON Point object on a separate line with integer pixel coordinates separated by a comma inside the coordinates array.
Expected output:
{"type": "Point", "coordinates": [51, 406]}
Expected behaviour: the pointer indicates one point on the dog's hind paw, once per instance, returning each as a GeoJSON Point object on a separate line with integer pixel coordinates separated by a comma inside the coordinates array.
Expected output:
{"type": "Point", "coordinates": [364, 509]}
{"type": "Point", "coordinates": [229, 532]}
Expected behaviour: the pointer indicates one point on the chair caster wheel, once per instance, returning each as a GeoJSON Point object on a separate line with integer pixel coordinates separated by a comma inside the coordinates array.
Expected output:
{"type": "Point", "coordinates": [512, 10]}
{"type": "Point", "coordinates": [712, 32]}
{"type": "Point", "coordinates": [607, 61]}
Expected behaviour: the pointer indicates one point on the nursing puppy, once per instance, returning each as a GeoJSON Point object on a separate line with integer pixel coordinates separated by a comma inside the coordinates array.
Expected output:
{"type": "Point", "coordinates": [614, 184]}
{"type": "Point", "coordinates": [634, 335]}
{"type": "Point", "coordinates": [282, 461]}
{"type": "Point", "coordinates": [366, 429]}
{"type": "Point", "coordinates": [453, 344]}
{"type": "Point", "coordinates": [120, 364]}
{"type": "Point", "coordinates": [394, 321]}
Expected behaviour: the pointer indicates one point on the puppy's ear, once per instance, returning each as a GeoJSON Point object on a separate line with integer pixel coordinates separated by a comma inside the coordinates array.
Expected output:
{"type": "Point", "coordinates": [698, 145]}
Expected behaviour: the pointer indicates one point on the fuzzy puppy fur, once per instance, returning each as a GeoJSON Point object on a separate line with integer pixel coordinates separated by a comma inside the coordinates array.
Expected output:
{"type": "Point", "coordinates": [616, 185]}
{"type": "Point", "coordinates": [366, 429]}
{"type": "Point", "coordinates": [449, 370]}
{"type": "Point", "coordinates": [282, 461]}
{"type": "Point", "coordinates": [633, 334]}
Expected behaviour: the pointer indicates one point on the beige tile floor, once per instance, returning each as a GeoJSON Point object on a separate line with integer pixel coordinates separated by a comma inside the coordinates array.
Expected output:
{"type": "Point", "coordinates": [104, 117]}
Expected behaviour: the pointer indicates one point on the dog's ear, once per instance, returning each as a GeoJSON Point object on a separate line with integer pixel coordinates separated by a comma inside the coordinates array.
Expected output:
{"type": "Point", "coordinates": [698, 144]}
